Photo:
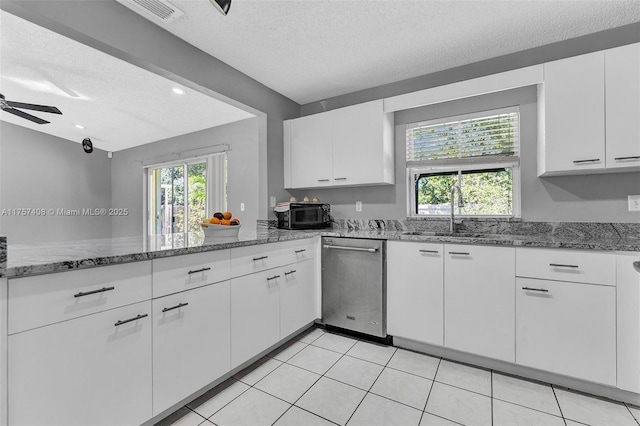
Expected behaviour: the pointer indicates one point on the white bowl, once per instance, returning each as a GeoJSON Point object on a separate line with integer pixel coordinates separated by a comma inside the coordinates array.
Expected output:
{"type": "Point", "coordinates": [221, 230]}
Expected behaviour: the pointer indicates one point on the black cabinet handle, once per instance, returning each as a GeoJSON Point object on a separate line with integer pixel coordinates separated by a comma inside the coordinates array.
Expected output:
{"type": "Point", "coordinates": [433, 251]}
{"type": "Point", "coordinates": [87, 293]}
{"type": "Point", "coordinates": [459, 253]}
{"type": "Point", "coordinates": [199, 270]}
{"type": "Point", "coordinates": [634, 157]}
{"type": "Point", "coordinates": [559, 265]}
{"type": "Point", "coordinates": [290, 272]}
{"type": "Point", "coordinates": [592, 160]}
{"type": "Point", "coordinates": [273, 277]}
{"type": "Point", "coordinates": [323, 180]}
{"type": "Point", "coordinates": [341, 178]}
{"type": "Point", "coordinates": [542, 290]}
{"type": "Point", "coordinates": [136, 318]}
{"type": "Point", "coordinates": [178, 306]}
{"type": "Point", "coordinates": [300, 251]}
{"type": "Point", "coordinates": [255, 259]}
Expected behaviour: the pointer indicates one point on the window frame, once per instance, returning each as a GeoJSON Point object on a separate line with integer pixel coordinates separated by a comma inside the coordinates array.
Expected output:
{"type": "Point", "coordinates": [455, 166]}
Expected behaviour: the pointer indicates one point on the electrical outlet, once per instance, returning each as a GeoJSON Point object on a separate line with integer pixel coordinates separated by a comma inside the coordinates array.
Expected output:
{"type": "Point", "coordinates": [634, 203]}
{"type": "Point", "coordinates": [273, 201]}
{"type": "Point", "coordinates": [241, 207]}
{"type": "Point", "coordinates": [358, 206]}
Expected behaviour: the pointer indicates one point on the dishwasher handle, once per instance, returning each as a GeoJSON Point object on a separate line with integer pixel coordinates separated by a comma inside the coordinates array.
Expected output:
{"type": "Point", "coordinates": [370, 250]}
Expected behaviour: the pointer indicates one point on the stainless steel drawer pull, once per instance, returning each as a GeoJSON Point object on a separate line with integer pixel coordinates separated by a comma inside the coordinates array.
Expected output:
{"type": "Point", "coordinates": [634, 157]}
{"type": "Point", "coordinates": [459, 253]}
{"type": "Point", "coordinates": [255, 259]}
{"type": "Point", "coordinates": [178, 306]}
{"type": "Point", "coordinates": [559, 265]}
{"type": "Point", "coordinates": [542, 290]}
{"type": "Point", "coordinates": [273, 277]}
{"type": "Point", "coordinates": [323, 180]}
{"type": "Point", "coordinates": [199, 270]}
{"type": "Point", "coordinates": [592, 160]}
{"type": "Point", "coordinates": [86, 293]}
{"type": "Point", "coordinates": [290, 272]}
{"type": "Point", "coordinates": [370, 250]}
{"type": "Point", "coordinates": [136, 318]}
{"type": "Point", "coordinates": [429, 251]}
{"type": "Point", "coordinates": [342, 178]}
{"type": "Point", "coordinates": [300, 251]}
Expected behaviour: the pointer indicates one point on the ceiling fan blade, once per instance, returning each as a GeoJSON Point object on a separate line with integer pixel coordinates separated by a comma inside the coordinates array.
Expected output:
{"type": "Point", "coordinates": [25, 115]}
{"type": "Point", "coordinates": [42, 108]}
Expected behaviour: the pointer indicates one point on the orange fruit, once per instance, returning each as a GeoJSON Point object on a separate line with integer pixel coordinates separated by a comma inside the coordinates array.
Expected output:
{"type": "Point", "coordinates": [225, 222]}
{"type": "Point", "coordinates": [214, 221]}
{"type": "Point", "coordinates": [227, 215]}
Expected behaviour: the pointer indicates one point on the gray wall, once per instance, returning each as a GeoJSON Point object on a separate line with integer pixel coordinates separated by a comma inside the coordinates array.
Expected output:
{"type": "Point", "coordinates": [593, 198]}
{"type": "Point", "coordinates": [43, 171]}
{"type": "Point", "coordinates": [114, 29]}
{"type": "Point", "coordinates": [243, 157]}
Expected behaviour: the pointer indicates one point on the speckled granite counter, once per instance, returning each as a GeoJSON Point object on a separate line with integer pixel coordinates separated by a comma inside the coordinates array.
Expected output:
{"type": "Point", "coordinates": [3, 256]}
{"type": "Point", "coordinates": [32, 259]}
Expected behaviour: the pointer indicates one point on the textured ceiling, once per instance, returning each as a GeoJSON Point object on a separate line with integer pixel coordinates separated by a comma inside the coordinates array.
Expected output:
{"type": "Point", "coordinates": [310, 50]}
{"type": "Point", "coordinates": [119, 104]}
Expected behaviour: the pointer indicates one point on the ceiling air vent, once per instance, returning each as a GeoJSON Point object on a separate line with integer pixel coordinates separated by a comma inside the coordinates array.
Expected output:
{"type": "Point", "coordinates": [160, 10]}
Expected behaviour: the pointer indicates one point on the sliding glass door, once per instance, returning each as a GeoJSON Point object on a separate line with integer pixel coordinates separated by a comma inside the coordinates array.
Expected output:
{"type": "Point", "coordinates": [182, 194]}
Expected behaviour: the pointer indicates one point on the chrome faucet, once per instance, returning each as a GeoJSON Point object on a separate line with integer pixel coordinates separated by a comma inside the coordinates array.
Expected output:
{"type": "Point", "coordinates": [460, 204]}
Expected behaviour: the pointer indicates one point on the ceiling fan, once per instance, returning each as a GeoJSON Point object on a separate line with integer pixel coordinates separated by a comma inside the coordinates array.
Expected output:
{"type": "Point", "coordinates": [10, 107]}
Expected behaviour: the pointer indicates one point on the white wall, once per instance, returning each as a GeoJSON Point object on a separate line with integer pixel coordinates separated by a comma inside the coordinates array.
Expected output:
{"type": "Point", "coordinates": [46, 172]}
{"type": "Point", "coordinates": [127, 171]}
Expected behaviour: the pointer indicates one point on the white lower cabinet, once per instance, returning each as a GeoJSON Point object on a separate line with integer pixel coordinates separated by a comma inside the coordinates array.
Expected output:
{"type": "Point", "coordinates": [567, 328]}
{"type": "Point", "coordinates": [415, 291]}
{"type": "Point", "coordinates": [297, 296]}
{"type": "Point", "coordinates": [628, 321]}
{"type": "Point", "coordinates": [479, 311]}
{"type": "Point", "coordinates": [255, 314]}
{"type": "Point", "coordinates": [191, 342]}
{"type": "Point", "coordinates": [91, 370]}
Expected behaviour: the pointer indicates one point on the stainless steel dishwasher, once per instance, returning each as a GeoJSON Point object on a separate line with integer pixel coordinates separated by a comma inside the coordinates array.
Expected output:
{"type": "Point", "coordinates": [354, 293]}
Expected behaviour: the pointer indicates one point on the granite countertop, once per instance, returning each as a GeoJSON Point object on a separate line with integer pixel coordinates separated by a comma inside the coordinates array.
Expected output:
{"type": "Point", "coordinates": [42, 258]}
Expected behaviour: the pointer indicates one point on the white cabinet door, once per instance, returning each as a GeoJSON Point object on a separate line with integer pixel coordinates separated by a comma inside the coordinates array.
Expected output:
{"type": "Point", "coordinates": [360, 154]}
{"type": "Point", "coordinates": [479, 300]}
{"type": "Point", "coordinates": [628, 322]}
{"type": "Point", "coordinates": [415, 292]}
{"type": "Point", "coordinates": [573, 114]}
{"type": "Point", "coordinates": [567, 328]}
{"type": "Point", "coordinates": [255, 314]}
{"type": "Point", "coordinates": [622, 74]}
{"type": "Point", "coordinates": [191, 342]}
{"type": "Point", "coordinates": [85, 371]}
{"type": "Point", "coordinates": [297, 296]}
{"type": "Point", "coordinates": [311, 153]}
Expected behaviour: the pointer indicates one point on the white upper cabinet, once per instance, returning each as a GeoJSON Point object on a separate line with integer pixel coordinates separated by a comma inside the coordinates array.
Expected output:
{"type": "Point", "coordinates": [588, 109]}
{"type": "Point", "coordinates": [622, 76]}
{"type": "Point", "coordinates": [343, 147]}
{"type": "Point", "coordinates": [571, 116]}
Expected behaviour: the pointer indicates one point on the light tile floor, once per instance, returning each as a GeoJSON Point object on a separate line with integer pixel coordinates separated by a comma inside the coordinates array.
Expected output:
{"type": "Point", "coordinates": [326, 379]}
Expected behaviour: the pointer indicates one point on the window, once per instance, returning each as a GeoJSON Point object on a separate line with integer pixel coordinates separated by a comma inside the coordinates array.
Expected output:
{"type": "Point", "coordinates": [478, 152]}
{"type": "Point", "coordinates": [181, 194]}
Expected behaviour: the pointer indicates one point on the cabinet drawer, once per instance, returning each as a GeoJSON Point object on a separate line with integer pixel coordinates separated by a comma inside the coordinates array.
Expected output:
{"type": "Point", "coordinates": [247, 260]}
{"type": "Point", "coordinates": [567, 265]}
{"type": "Point", "coordinates": [567, 328]}
{"type": "Point", "coordinates": [179, 273]}
{"type": "Point", "coordinates": [298, 250]}
{"type": "Point", "coordinates": [46, 299]}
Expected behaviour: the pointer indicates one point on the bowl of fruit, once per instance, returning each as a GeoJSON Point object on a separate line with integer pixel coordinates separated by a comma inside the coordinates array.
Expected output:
{"type": "Point", "coordinates": [221, 225]}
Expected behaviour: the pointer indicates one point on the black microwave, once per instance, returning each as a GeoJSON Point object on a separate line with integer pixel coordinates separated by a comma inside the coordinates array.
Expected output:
{"type": "Point", "coordinates": [303, 216]}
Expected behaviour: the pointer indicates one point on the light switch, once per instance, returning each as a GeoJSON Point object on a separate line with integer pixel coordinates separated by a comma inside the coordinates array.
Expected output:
{"type": "Point", "coordinates": [358, 206]}
{"type": "Point", "coordinates": [273, 201]}
{"type": "Point", "coordinates": [634, 203]}
{"type": "Point", "coordinates": [241, 207]}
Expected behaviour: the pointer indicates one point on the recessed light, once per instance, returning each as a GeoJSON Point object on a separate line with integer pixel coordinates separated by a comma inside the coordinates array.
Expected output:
{"type": "Point", "coordinates": [79, 126]}
{"type": "Point", "coordinates": [178, 91]}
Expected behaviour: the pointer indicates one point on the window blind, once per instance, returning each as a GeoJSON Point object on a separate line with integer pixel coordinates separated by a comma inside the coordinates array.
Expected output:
{"type": "Point", "coordinates": [494, 137]}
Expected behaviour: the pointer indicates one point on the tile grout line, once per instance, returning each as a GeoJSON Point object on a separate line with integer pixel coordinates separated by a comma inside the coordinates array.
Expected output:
{"type": "Point", "coordinates": [424, 410]}
{"type": "Point", "coordinates": [553, 388]}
